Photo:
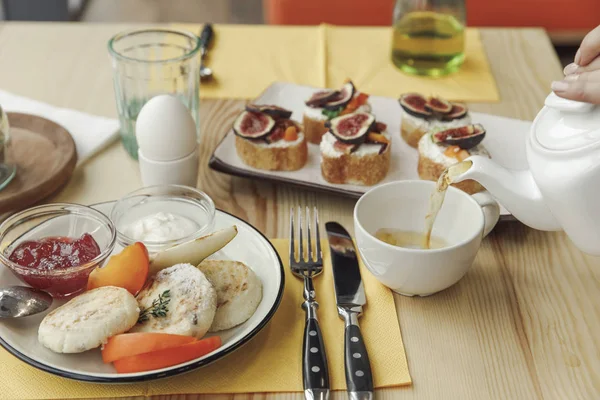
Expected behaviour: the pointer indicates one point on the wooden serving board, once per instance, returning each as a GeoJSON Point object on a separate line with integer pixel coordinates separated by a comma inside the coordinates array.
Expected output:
{"type": "Point", "coordinates": [45, 156]}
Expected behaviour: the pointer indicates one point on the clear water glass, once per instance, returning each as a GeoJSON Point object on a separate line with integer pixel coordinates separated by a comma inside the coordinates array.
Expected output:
{"type": "Point", "coordinates": [150, 62]}
{"type": "Point", "coordinates": [8, 169]}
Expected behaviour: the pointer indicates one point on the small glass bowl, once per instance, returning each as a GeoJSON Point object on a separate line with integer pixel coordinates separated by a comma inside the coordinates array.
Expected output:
{"type": "Point", "coordinates": [180, 200]}
{"type": "Point", "coordinates": [63, 220]}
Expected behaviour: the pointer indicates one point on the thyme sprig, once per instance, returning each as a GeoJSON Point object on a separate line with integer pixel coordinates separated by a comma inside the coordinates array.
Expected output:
{"type": "Point", "coordinates": [158, 309]}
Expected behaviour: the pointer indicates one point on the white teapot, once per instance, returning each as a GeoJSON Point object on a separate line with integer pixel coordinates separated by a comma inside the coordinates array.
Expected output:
{"type": "Point", "coordinates": [561, 189]}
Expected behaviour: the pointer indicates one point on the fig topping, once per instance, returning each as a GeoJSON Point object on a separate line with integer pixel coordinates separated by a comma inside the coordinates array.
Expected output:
{"type": "Point", "coordinates": [438, 105]}
{"type": "Point", "coordinates": [351, 128]}
{"type": "Point", "coordinates": [379, 127]}
{"type": "Point", "coordinates": [383, 147]}
{"type": "Point", "coordinates": [465, 137]}
{"type": "Point", "coordinates": [278, 131]}
{"type": "Point", "coordinates": [319, 99]}
{"type": "Point", "coordinates": [414, 104]}
{"type": "Point", "coordinates": [252, 125]}
{"type": "Point", "coordinates": [342, 97]}
{"type": "Point", "coordinates": [271, 110]}
{"type": "Point", "coordinates": [458, 111]}
{"type": "Point", "coordinates": [346, 148]}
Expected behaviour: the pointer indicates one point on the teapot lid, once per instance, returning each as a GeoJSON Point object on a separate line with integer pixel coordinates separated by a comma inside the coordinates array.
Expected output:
{"type": "Point", "coordinates": [566, 124]}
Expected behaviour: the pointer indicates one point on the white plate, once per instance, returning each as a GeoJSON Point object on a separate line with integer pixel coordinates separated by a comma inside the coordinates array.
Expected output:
{"type": "Point", "coordinates": [19, 336]}
{"type": "Point", "coordinates": [505, 140]}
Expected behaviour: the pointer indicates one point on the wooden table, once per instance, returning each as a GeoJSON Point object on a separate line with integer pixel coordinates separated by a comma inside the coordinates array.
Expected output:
{"type": "Point", "coordinates": [524, 323]}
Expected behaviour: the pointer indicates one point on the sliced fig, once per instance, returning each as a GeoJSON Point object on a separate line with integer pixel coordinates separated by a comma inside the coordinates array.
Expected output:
{"type": "Point", "coordinates": [379, 127]}
{"type": "Point", "coordinates": [438, 105]}
{"type": "Point", "coordinates": [346, 148]}
{"type": "Point", "coordinates": [465, 137]}
{"type": "Point", "coordinates": [318, 99]}
{"type": "Point", "coordinates": [383, 147]}
{"type": "Point", "coordinates": [458, 111]}
{"type": "Point", "coordinates": [414, 104]}
{"type": "Point", "coordinates": [274, 111]}
{"type": "Point", "coordinates": [351, 128]}
{"type": "Point", "coordinates": [342, 98]}
{"type": "Point", "coordinates": [252, 125]}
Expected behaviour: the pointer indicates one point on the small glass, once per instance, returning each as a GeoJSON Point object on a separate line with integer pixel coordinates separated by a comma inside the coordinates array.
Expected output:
{"type": "Point", "coordinates": [184, 201]}
{"type": "Point", "coordinates": [7, 168]}
{"type": "Point", "coordinates": [151, 62]}
{"type": "Point", "coordinates": [429, 36]}
{"type": "Point", "coordinates": [52, 220]}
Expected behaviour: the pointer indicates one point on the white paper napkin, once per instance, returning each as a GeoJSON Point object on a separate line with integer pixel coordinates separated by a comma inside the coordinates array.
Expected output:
{"type": "Point", "coordinates": [91, 133]}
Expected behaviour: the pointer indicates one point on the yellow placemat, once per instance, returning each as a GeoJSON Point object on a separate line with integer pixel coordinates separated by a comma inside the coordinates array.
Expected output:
{"type": "Point", "coordinates": [363, 54]}
{"type": "Point", "coordinates": [248, 58]}
{"type": "Point", "coordinates": [271, 362]}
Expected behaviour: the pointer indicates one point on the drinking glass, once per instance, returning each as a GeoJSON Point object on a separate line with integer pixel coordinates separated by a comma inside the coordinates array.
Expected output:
{"type": "Point", "coordinates": [428, 36]}
{"type": "Point", "coordinates": [7, 168]}
{"type": "Point", "coordinates": [150, 62]}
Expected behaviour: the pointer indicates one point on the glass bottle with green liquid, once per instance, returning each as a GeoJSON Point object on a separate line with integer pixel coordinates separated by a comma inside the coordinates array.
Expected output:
{"type": "Point", "coordinates": [429, 36]}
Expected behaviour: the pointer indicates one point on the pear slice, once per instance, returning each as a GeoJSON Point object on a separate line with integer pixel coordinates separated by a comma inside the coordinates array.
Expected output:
{"type": "Point", "coordinates": [194, 251]}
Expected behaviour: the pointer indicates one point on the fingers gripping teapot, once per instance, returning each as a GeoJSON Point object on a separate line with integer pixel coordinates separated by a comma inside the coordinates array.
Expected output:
{"type": "Point", "coordinates": [561, 189]}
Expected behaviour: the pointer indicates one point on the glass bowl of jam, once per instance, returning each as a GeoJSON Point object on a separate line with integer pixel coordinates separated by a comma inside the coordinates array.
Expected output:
{"type": "Point", "coordinates": [54, 247]}
{"type": "Point", "coordinates": [162, 216]}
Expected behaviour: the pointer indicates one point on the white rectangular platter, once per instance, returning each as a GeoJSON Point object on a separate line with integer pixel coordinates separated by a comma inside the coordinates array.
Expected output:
{"type": "Point", "coordinates": [505, 141]}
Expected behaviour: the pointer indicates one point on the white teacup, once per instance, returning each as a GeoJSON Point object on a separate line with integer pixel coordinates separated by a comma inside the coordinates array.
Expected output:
{"type": "Point", "coordinates": [462, 223]}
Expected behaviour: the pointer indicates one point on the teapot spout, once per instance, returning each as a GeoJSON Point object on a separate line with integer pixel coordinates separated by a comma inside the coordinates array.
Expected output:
{"type": "Point", "coordinates": [515, 190]}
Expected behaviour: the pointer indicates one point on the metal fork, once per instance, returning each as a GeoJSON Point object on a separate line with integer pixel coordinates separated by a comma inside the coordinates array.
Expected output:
{"type": "Point", "coordinates": [314, 360]}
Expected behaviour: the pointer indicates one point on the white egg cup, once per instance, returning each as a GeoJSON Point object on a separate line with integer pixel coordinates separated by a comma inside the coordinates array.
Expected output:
{"type": "Point", "coordinates": [183, 171]}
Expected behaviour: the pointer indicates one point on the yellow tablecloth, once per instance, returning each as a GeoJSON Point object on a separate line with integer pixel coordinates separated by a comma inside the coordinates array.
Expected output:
{"type": "Point", "coordinates": [271, 362]}
{"type": "Point", "coordinates": [248, 58]}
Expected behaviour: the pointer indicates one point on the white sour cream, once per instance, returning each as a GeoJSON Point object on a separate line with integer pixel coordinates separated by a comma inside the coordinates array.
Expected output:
{"type": "Point", "coordinates": [161, 227]}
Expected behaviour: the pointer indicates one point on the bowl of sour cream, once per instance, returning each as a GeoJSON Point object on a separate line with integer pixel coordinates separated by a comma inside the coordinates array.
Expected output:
{"type": "Point", "coordinates": [163, 216]}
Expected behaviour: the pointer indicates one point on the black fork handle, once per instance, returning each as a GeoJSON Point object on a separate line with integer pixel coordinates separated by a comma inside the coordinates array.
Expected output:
{"type": "Point", "coordinates": [315, 372]}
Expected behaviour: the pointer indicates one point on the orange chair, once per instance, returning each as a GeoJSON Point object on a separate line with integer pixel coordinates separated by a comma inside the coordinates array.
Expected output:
{"type": "Point", "coordinates": [336, 12]}
{"type": "Point", "coordinates": [557, 16]}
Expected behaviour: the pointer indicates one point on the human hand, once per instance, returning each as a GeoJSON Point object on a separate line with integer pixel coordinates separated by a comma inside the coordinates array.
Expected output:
{"type": "Point", "coordinates": [582, 77]}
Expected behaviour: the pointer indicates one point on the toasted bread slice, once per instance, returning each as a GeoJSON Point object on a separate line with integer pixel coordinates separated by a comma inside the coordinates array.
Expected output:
{"type": "Point", "coordinates": [412, 132]}
{"type": "Point", "coordinates": [314, 129]}
{"type": "Point", "coordinates": [278, 156]}
{"type": "Point", "coordinates": [192, 302]}
{"type": "Point", "coordinates": [88, 320]}
{"type": "Point", "coordinates": [239, 292]}
{"type": "Point", "coordinates": [432, 163]}
{"type": "Point", "coordinates": [365, 166]}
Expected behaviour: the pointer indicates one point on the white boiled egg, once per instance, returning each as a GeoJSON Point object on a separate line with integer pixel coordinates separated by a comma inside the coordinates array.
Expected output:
{"type": "Point", "coordinates": [165, 129]}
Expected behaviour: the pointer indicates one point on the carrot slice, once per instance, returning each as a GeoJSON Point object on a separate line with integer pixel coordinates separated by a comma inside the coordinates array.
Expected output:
{"type": "Point", "coordinates": [167, 357]}
{"type": "Point", "coordinates": [131, 344]}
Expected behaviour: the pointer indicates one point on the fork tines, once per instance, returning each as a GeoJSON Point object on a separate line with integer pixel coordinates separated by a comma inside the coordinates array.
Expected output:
{"type": "Point", "coordinates": [310, 259]}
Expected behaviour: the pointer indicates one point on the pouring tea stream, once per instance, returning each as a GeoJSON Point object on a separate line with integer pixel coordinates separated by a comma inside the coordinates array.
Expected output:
{"type": "Point", "coordinates": [561, 190]}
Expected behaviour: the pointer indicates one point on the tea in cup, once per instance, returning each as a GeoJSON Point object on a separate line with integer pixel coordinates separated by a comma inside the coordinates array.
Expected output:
{"type": "Point", "coordinates": [389, 224]}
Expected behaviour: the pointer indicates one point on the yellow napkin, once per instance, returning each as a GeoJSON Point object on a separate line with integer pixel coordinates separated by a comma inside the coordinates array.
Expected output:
{"type": "Point", "coordinates": [246, 59]}
{"type": "Point", "coordinates": [270, 362]}
{"type": "Point", "coordinates": [363, 54]}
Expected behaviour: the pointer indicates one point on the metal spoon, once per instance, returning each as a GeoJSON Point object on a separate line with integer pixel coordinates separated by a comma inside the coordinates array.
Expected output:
{"type": "Point", "coordinates": [22, 301]}
{"type": "Point", "coordinates": [206, 37]}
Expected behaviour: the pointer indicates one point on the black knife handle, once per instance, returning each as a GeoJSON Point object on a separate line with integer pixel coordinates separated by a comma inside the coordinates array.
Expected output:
{"type": "Point", "coordinates": [315, 373]}
{"type": "Point", "coordinates": [206, 36]}
{"type": "Point", "coordinates": [358, 368]}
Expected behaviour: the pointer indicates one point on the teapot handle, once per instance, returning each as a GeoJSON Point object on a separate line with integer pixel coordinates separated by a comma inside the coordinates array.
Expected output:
{"type": "Point", "coordinates": [491, 210]}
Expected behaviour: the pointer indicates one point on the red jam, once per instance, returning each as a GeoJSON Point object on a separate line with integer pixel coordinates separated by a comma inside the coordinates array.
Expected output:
{"type": "Point", "coordinates": [51, 254]}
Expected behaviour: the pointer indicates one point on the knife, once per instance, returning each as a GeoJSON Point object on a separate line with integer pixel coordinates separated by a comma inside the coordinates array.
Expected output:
{"type": "Point", "coordinates": [350, 297]}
